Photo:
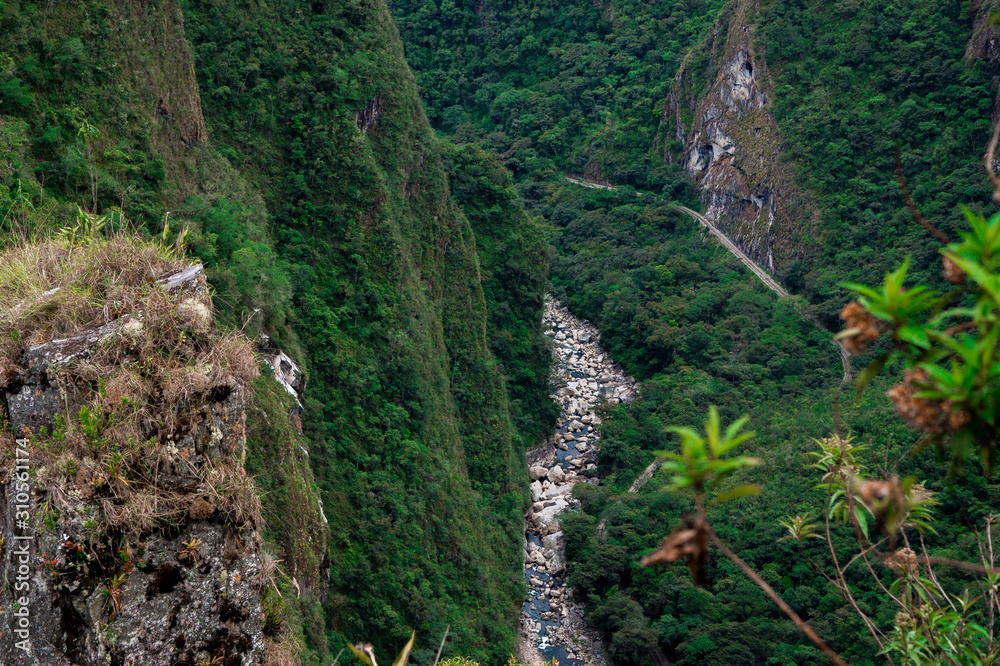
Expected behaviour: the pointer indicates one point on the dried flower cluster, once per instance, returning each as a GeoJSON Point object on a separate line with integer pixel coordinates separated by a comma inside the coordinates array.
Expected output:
{"type": "Point", "coordinates": [952, 272]}
{"type": "Point", "coordinates": [934, 416]}
{"type": "Point", "coordinates": [863, 324]}
{"type": "Point", "coordinates": [903, 558]}
{"type": "Point", "coordinates": [691, 542]}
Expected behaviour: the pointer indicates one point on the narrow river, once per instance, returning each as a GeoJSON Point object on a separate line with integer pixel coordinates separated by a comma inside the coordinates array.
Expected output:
{"type": "Point", "coordinates": [552, 624]}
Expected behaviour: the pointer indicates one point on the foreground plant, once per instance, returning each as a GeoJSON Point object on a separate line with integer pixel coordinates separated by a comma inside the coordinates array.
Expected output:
{"type": "Point", "coordinates": [888, 517]}
{"type": "Point", "coordinates": [699, 469]}
{"type": "Point", "coordinates": [947, 342]}
{"type": "Point", "coordinates": [365, 652]}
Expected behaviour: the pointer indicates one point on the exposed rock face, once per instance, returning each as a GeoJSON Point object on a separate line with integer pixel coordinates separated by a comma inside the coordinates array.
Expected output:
{"type": "Point", "coordinates": [86, 590]}
{"type": "Point", "coordinates": [984, 44]}
{"type": "Point", "coordinates": [732, 147]}
{"type": "Point", "coordinates": [286, 372]}
{"type": "Point", "coordinates": [169, 608]}
{"type": "Point", "coordinates": [552, 620]}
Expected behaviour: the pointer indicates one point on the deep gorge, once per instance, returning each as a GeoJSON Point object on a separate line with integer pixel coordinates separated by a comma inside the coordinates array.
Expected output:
{"type": "Point", "coordinates": [376, 192]}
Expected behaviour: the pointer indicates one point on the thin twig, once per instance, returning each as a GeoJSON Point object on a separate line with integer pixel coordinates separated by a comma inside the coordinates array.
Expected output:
{"type": "Point", "coordinates": [912, 206]}
{"type": "Point", "coordinates": [867, 550]}
{"type": "Point", "coordinates": [930, 571]}
{"type": "Point", "coordinates": [989, 162]}
{"type": "Point", "coordinates": [992, 588]}
{"type": "Point", "coordinates": [441, 647]}
{"type": "Point", "coordinates": [879, 581]}
{"type": "Point", "coordinates": [960, 327]}
{"type": "Point", "coordinates": [872, 629]}
{"type": "Point", "coordinates": [956, 564]}
{"type": "Point", "coordinates": [776, 598]}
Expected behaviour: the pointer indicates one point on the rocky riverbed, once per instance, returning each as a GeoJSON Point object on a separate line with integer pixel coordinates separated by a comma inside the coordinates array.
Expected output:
{"type": "Point", "coordinates": [552, 623]}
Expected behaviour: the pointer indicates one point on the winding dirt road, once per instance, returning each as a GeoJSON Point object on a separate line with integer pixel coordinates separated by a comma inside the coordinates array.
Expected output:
{"type": "Point", "coordinates": [765, 277]}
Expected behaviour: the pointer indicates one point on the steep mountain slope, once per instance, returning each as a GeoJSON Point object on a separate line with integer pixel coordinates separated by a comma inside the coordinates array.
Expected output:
{"type": "Point", "coordinates": [732, 145]}
{"type": "Point", "coordinates": [785, 116]}
{"type": "Point", "coordinates": [802, 168]}
{"type": "Point", "coordinates": [290, 139]}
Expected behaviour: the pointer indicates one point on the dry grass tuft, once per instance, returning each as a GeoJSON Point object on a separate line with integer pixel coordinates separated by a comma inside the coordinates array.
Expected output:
{"type": "Point", "coordinates": [137, 440]}
{"type": "Point", "coordinates": [62, 289]}
{"type": "Point", "coordinates": [269, 571]}
{"type": "Point", "coordinates": [278, 653]}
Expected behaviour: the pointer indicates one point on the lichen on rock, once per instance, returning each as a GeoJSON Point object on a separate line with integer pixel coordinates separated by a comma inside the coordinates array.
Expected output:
{"type": "Point", "coordinates": [121, 466]}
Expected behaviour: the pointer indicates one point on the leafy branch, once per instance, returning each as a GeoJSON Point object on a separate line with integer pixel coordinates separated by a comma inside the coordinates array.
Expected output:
{"type": "Point", "coordinates": [699, 468]}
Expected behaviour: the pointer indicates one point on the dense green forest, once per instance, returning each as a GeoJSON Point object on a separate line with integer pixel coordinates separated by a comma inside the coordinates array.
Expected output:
{"type": "Point", "coordinates": [395, 232]}
{"type": "Point", "coordinates": [401, 273]}
{"type": "Point", "coordinates": [849, 81]}
{"type": "Point", "coordinates": [689, 319]}
{"type": "Point", "coordinates": [553, 87]}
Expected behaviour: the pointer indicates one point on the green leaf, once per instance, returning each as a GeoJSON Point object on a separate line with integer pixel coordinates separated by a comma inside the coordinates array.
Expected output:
{"type": "Point", "coordinates": [862, 519]}
{"type": "Point", "coordinates": [913, 334]}
{"type": "Point", "coordinates": [712, 429]}
{"type": "Point", "coordinates": [745, 490]}
{"type": "Point", "coordinates": [404, 656]}
{"type": "Point", "coordinates": [861, 289]}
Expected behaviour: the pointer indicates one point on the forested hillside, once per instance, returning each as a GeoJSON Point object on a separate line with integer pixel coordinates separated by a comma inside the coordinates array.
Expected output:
{"type": "Point", "coordinates": [553, 86]}
{"type": "Point", "coordinates": [394, 233]}
{"type": "Point", "coordinates": [851, 82]}
{"type": "Point", "coordinates": [402, 274]}
{"type": "Point", "coordinates": [842, 84]}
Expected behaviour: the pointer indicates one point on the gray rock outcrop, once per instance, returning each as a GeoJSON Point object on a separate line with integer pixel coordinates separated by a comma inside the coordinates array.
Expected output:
{"type": "Point", "coordinates": [731, 146]}
{"type": "Point", "coordinates": [129, 553]}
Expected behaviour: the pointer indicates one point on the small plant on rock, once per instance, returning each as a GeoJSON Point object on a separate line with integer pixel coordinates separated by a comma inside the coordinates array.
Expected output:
{"type": "Point", "coordinates": [114, 593]}
{"type": "Point", "coordinates": [190, 552]}
{"type": "Point", "coordinates": [210, 661]}
{"type": "Point", "coordinates": [273, 607]}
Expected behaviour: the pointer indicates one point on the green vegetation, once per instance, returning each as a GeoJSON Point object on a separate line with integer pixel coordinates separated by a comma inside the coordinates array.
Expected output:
{"type": "Point", "coordinates": [684, 317]}
{"type": "Point", "coordinates": [406, 275]}
{"type": "Point", "coordinates": [678, 308]}
{"type": "Point", "coordinates": [947, 343]}
{"type": "Point", "coordinates": [550, 86]}
{"type": "Point", "coordinates": [294, 523]}
{"type": "Point", "coordinates": [291, 143]}
{"type": "Point", "coordinates": [511, 248]}
{"type": "Point", "coordinates": [850, 80]}
{"type": "Point", "coordinates": [730, 621]}
{"type": "Point", "coordinates": [64, 137]}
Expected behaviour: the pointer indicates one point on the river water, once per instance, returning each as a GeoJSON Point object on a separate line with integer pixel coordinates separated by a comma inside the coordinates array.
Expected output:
{"type": "Point", "coordinates": [552, 625]}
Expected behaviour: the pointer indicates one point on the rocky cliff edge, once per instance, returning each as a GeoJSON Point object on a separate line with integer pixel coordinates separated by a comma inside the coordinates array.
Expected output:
{"type": "Point", "coordinates": [129, 530]}
{"type": "Point", "coordinates": [718, 115]}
